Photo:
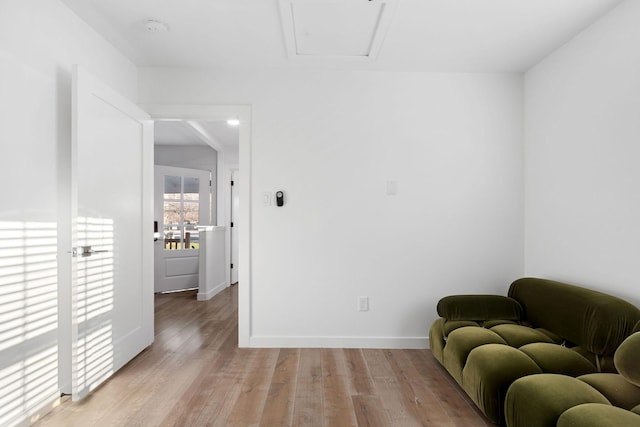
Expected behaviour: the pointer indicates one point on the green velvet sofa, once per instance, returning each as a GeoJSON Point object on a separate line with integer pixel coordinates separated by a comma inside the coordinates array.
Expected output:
{"type": "Point", "coordinates": [487, 342]}
{"type": "Point", "coordinates": [592, 400]}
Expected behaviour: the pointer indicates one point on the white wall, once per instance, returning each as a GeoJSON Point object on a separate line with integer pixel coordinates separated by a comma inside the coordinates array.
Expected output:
{"type": "Point", "coordinates": [39, 42]}
{"type": "Point", "coordinates": [192, 157]}
{"type": "Point", "coordinates": [582, 109]}
{"type": "Point", "coordinates": [231, 155]}
{"type": "Point", "coordinates": [331, 140]}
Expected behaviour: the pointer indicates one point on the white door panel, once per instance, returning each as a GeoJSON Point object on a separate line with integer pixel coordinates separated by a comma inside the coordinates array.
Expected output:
{"type": "Point", "coordinates": [176, 267]}
{"type": "Point", "coordinates": [112, 294]}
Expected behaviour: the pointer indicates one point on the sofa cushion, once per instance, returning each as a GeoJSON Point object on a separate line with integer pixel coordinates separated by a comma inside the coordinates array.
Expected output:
{"type": "Point", "coordinates": [627, 359]}
{"type": "Point", "coordinates": [615, 388]}
{"type": "Point", "coordinates": [479, 307]}
{"type": "Point", "coordinates": [594, 320]}
{"type": "Point", "coordinates": [539, 400]}
{"type": "Point", "coordinates": [555, 359]}
{"type": "Point", "coordinates": [451, 325]}
{"type": "Point", "coordinates": [518, 335]}
{"type": "Point", "coordinates": [495, 322]}
{"type": "Point", "coordinates": [597, 415]}
{"type": "Point", "coordinates": [489, 371]}
{"type": "Point", "coordinates": [636, 410]}
{"type": "Point", "coordinates": [459, 345]}
{"type": "Point", "coordinates": [554, 337]}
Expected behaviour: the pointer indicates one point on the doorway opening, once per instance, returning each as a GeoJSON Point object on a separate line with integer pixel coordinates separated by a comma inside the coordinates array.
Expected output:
{"type": "Point", "coordinates": [231, 162]}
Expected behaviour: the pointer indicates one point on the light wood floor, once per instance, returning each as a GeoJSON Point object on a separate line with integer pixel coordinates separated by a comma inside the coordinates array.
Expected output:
{"type": "Point", "coordinates": [195, 375]}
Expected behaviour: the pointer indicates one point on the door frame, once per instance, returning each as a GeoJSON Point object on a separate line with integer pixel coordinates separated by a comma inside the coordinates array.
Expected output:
{"type": "Point", "coordinates": [231, 172]}
{"type": "Point", "coordinates": [215, 112]}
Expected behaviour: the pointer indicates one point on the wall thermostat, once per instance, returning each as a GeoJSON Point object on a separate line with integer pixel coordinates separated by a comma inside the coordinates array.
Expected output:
{"type": "Point", "coordinates": [279, 198]}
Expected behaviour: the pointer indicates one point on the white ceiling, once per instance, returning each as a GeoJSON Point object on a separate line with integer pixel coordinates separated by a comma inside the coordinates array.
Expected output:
{"type": "Point", "coordinates": [210, 133]}
{"type": "Point", "coordinates": [422, 35]}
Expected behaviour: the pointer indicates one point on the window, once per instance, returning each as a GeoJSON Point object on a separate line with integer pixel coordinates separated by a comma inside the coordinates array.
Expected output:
{"type": "Point", "coordinates": [181, 212]}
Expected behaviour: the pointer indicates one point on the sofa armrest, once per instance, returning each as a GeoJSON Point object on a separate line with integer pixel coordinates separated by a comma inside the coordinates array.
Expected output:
{"type": "Point", "coordinates": [480, 307]}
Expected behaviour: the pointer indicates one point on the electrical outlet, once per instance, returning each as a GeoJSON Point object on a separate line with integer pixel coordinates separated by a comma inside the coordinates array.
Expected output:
{"type": "Point", "coordinates": [363, 303]}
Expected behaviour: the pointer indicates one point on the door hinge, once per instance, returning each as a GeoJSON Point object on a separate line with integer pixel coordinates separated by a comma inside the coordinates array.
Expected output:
{"type": "Point", "coordinates": [232, 223]}
{"type": "Point", "coordinates": [231, 265]}
{"type": "Point", "coordinates": [232, 183]}
{"type": "Point", "coordinates": [210, 183]}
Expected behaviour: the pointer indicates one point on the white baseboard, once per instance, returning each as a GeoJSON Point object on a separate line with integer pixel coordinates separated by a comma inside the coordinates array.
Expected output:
{"type": "Point", "coordinates": [203, 296]}
{"type": "Point", "coordinates": [338, 342]}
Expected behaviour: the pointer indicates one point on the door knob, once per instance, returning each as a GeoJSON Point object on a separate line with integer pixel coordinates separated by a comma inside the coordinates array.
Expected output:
{"type": "Point", "coordinates": [85, 251]}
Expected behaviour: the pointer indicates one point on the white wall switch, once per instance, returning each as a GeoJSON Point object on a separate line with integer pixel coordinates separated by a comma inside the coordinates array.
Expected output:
{"type": "Point", "coordinates": [363, 303]}
{"type": "Point", "coordinates": [392, 188]}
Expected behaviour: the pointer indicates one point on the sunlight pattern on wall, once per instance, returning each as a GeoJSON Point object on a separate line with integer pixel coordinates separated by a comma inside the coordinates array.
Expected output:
{"type": "Point", "coordinates": [93, 305]}
{"type": "Point", "coordinates": [28, 319]}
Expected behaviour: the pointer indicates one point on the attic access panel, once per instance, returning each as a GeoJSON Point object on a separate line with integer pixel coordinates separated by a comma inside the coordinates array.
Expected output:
{"type": "Point", "coordinates": [335, 28]}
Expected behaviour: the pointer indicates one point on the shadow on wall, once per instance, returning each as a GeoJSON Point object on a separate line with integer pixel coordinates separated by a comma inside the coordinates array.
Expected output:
{"type": "Point", "coordinates": [93, 300]}
{"type": "Point", "coordinates": [28, 318]}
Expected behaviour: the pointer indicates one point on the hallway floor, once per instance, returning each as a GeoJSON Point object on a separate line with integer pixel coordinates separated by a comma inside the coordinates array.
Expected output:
{"type": "Point", "coordinates": [195, 375]}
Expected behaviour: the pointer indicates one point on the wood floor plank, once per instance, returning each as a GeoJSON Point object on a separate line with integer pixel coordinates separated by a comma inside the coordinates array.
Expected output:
{"type": "Point", "coordinates": [419, 399]}
{"type": "Point", "coordinates": [308, 403]}
{"type": "Point", "coordinates": [338, 406]}
{"type": "Point", "coordinates": [161, 403]}
{"type": "Point", "coordinates": [358, 373]}
{"type": "Point", "coordinates": [369, 412]}
{"type": "Point", "coordinates": [280, 399]}
{"type": "Point", "coordinates": [249, 406]}
{"type": "Point", "coordinates": [389, 389]}
{"type": "Point", "coordinates": [222, 394]}
{"type": "Point", "coordinates": [458, 406]}
{"type": "Point", "coordinates": [187, 409]}
{"type": "Point", "coordinates": [194, 374]}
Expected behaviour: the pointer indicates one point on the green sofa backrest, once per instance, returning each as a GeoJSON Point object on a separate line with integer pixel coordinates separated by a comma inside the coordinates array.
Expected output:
{"type": "Point", "coordinates": [479, 308]}
{"type": "Point", "coordinates": [593, 320]}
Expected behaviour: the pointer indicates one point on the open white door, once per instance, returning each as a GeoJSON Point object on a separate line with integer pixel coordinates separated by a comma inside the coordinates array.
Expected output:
{"type": "Point", "coordinates": [112, 232]}
{"type": "Point", "coordinates": [182, 204]}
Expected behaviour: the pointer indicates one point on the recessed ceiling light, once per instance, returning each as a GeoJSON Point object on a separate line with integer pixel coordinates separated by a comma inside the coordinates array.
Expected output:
{"type": "Point", "coordinates": [154, 26]}
{"type": "Point", "coordinates": [233, 122]}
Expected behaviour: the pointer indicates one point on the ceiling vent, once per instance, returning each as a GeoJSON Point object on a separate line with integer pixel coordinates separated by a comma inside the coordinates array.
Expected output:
{"type": "Point", "coordinates": [347, 29]}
